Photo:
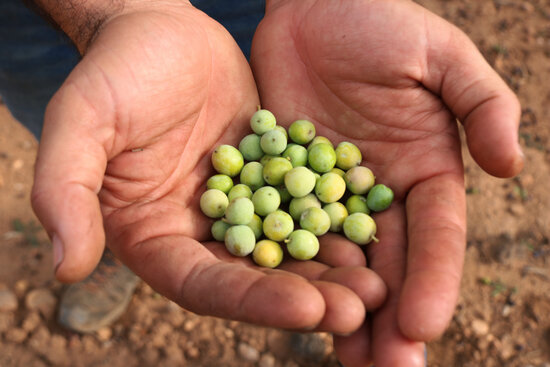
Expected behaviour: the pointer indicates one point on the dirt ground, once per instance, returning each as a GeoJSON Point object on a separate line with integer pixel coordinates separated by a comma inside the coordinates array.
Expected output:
{"type": "Point", "coordinates": [503, 314]}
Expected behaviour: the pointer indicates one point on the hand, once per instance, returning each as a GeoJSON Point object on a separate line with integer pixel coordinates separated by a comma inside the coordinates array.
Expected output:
{"type": "Point", "coordinates": [391, 77]}
{"type": "Point", "coordinates": [126, 147]}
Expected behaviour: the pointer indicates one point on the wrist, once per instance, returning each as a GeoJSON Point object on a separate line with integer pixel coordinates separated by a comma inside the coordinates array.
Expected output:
{"type": "Point", "coordinates": [82, 20]}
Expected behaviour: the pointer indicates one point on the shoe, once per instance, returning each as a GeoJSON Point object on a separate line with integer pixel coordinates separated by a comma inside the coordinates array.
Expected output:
{"type": "Point", "coordinates": [100, 299]}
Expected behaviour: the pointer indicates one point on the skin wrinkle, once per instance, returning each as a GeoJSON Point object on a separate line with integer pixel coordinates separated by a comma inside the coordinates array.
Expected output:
{"type": "Point", "coordinates": [156, 191]}
{"type": "Point", "coordinates": [441, 170]}
{"type": "Point", "coordinates": [455, 277]}
{"type": "Point", "coordinates": [185, 275]}
{"type": "Point", "coordinates": [189, 278]}
{"type": "Point", "coordinates": [126, 232]}
{"type": "Point", "coordinates": [315, 78]}
{"type": "Point", "coordinates": [459, 99]}
{"type": "Point", "coordinates": [116, 121]}
{"type": "Point", "coordinates": [168, 126]}
{"type": "Point", "coordinates": [116, 101]}
{"type": "Point", "coordinates": [414, 127]}
{"type": "Point", "coordinates": [303, 64]}
{"type": "Point", "coordinates": [244, 297]}
{"type": "Point", "coordinates": [389, 261]}
{"type": "Point", "coordinates": [82, 96]}
{"type": "Point", "coordinates": [425, 67]}
{"type": "Point", "coordinates": [334, 93]}
{"type": "Point", "coordinates": [482, 103]}
{"type": "Point", "coordinates": [398, 161]}
{"type": "Point", "coordinates": [171, 175]}
{"type": "Point", "coordinates": [441, 75]}
{"type": "Point", "coordinates": [149, 197]}
{"type": "Point", "coordinates": [114, 198]}
{"type": "Point", "coordinates": [434, 255]}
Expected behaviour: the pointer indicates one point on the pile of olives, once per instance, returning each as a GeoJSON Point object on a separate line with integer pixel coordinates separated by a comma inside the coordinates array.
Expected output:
{"type": "Point", "coordinates": [288, 194]}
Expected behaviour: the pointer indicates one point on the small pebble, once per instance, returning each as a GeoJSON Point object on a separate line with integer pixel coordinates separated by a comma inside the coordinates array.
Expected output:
{"type": "Point", "coordinates": [150, 355]}
{"type": "Point", "coordinates": [104, 334]}
{"type": "Point", "coordinates": [16, 335]}
{"type": "Point", "coordinates": [527, 7]}
{"type": "Point", "coordinates": [193, 352]}
{"type": "Point", "coordinates": [31, 322]}
{"type": "Point", "coordinates": [7, 320]}
{"type": "Point", "coordinates": [41, 300]}
{"type": "Point", "coordinates": [267, 360]}
{"type": "Point", "coordinates": [17, 164]}
{"type": "Point", "coordinates": [483, 344]}
{"type": "Point", "coordinates": [248, 353]}
{"type": "Point", "coordinates": [26, 145]}
{"type": "Point", "coordinates": [21, 287]}
{"type": "Point", "coordinates": [506, 310]}
{"type": "Point", "coordinates": [480, 327]}
{"type": "Point", "coordinates": [517, 209]}
{"type": "Point", "coordinates": [174, 355]}
{"type": "Point", "coordinates": [189, 325]}
{"type": "Point", "coordinates": [506, 350]}
{"type": "Point", "coordinates": [8, 300]}
{"type": "Point", "coordinates": [228, 333]}
{"type": "Point", "coordinates": [58, 342]}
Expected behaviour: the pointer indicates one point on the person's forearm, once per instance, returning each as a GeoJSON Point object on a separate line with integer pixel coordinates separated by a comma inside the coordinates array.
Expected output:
{"type": "Point", "coordinates": [82, 19]}
{"type": "Point", "coordinates": [79, 19]}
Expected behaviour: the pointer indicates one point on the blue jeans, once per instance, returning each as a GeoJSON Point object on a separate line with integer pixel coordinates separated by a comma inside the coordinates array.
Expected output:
{"type": "Point", "coordinates": [35, 58]}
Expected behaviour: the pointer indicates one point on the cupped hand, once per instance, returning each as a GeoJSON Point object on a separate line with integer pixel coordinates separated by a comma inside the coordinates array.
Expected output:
{"type": "Point", "coordinates": [124, 158]}
{"type": "Point", "coordinates": [393, 78]}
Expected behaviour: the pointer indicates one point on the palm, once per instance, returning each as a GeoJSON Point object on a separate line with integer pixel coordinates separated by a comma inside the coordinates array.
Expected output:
{"type": "Point", "coordinates": [370, 94]}
{"type": "Point", "coordinates": [359, 70]}
{"type": "Point", "coordinates": [178, 110]}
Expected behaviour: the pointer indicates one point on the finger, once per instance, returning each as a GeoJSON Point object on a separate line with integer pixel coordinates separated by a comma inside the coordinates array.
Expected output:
{"type": "Point", "coordinates": [68, 175]}
{"type": "Point", "coordinates": [476, 94]}
{"type": "Point", "coordinates": [218, 249]}
{"type": "Point", "coordinates": [311, 270]}
{"type": "Point", "coordinates": [354, 350]}
{"type": "Point", "coordinates": [183, 270]}
{"type": "Point", "coordinates": [389, 346]}
{"type": "Point", "coordinates": [437, 241]}
{"type": "Point", "coordinates": [345, 308]}
{"type": "Point", "coordinates": [388, 259]}
{"type": "Point", "coordinates": [365, 283]}
{"type": "Point", "coordinates": [335, 250]}
{"type": "Point", "coordinates": [368, 286]}
{"type": "Point", "coordinates": [344, 312]}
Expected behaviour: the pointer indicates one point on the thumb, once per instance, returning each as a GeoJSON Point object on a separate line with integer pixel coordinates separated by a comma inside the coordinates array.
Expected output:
{"type": "Point", "coordinates": [69, 172]}
{"type": "Point", "coordinates": [477, 96]}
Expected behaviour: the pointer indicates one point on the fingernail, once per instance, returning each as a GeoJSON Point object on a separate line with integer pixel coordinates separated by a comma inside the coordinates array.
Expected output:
{"type": "Point", "coordinates": [57, 251]}
{"type": "Point", "coordinates": [520, 161]}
